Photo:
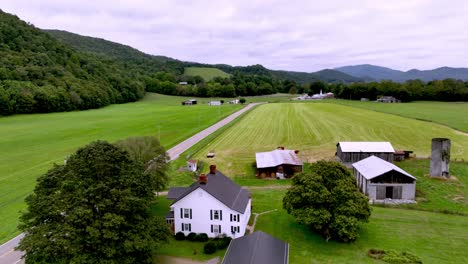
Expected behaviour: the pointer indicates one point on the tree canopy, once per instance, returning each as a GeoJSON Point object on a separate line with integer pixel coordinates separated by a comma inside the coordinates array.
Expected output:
{"type": "Point", "coordinates": [93, 209]}
{"type": "Point", "coordinates": [326, 199]}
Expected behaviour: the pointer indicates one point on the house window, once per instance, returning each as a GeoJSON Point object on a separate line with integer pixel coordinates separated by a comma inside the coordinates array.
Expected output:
{"type": "Point", "coordinates": [186, 213]}
{"type": "Point", "coordinates": [235, 218]}
{"type": "Point", "coordinates": [216, 229]}
{"type": "Point", "coordinates": [186, 227]}
{"type": "Point", "coordinates": [235, 229]}
{"type": "Point", "coordinates": [216, 214]}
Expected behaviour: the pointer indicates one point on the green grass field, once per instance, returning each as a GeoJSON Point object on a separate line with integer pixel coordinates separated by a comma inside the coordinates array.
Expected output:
{"type": "Point", "coordinates": [314, 129]}
{"type": "Point", "coordinates": [206, 73]}
{"type": "Point", "coordinates": [450, 114]}
{"type": "Point", "coordinates": [30, 144]}
{"type": "Point", "coordinates": [434, 237]}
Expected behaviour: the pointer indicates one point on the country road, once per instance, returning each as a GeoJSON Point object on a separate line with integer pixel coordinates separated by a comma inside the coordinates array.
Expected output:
{"type": "Point", "coordinates": [9, 256]}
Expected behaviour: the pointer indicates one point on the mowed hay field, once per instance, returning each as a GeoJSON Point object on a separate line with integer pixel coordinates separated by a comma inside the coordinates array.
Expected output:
{"type": "Point", "coordinates": [434, 237]}
{"type": "Point", "coordinates": [315, 128]}
{"type": "Point", "coordinates": [30, 144]}
{"type": "Point", "coordinates": [446, 113]}
{"type": "Point", "coordinates": [206, 73]}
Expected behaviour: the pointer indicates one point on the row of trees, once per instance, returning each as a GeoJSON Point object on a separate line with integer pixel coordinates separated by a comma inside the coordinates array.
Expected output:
{"type": "Point", "coordinates": [412, 90]}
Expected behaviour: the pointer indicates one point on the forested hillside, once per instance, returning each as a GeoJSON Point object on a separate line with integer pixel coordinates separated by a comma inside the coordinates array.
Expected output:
{"type": "Point", "coordinates": [38, 73]}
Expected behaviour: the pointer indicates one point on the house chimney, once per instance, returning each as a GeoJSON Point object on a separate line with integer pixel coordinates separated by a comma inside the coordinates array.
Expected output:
{"type": "Point", "coordinates": [212, 169]}
{"type": "Point", "coordinates": [296, 151]}
{"type": "Point", "coordinates": [281, 147]}
{"type": "Point", "coordinates": [202, 179]}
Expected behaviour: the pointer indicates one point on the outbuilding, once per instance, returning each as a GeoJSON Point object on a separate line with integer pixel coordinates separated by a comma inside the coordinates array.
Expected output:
{"type": "Point", "coordinates": [258, 248]}
{"type": "Point", "coordinates": [192, 165]}
{"type": "Point", "coordinates": [280, 163]}
{"type": "Point", "coordinates": [215, 103]}
{"type": "Point", "coordinates": [350, 152]}
{"type": "Point", "coordinates": [380, 180]}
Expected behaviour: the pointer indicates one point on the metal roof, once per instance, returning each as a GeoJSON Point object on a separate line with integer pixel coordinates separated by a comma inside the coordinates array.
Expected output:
{"type": "Point", "coordinates": [223, 189]}
{"type": "Point", "coordinates": [373, 166]}
{"type": "Point", "coordinates": [257, 248]}
{"type": "Point", "coordinates": [276, 157]}
{"type": "Point", "coordinates": [363, 146]}
{"type": "Point", "coordinates": [176, 192]}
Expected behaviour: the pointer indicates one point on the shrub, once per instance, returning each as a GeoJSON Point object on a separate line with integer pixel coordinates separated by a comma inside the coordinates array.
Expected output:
{"type": "Point", "coordinates": [191, 236]}
{"type": "Point", "coordinates": [223, 242]}
{"type": "Point", "coordinates": [180, 236]}
{"type": "Point", "coordinates": [201, 237]}
{"type": "Point", "coordinates": [209, 247]}
{"type": "Point", "coordinates": [394, 257]}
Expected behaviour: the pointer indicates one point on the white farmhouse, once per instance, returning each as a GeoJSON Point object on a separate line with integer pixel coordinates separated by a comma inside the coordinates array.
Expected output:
{"type": "Point", "coordinates": [214, 205]}
{"type": "Point", "coordinates": [214, 103]}
{"type": "Point", "coordinates": [381, 180]}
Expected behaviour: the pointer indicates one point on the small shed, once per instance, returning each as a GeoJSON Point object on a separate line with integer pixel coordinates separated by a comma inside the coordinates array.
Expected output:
{"type": "Point", "coordinates": [183, 83]}
{"type": "Point", "coordinates": [349, 152]}
{"type": "Point", "coordinates": [388, 99]}
{"type": "Point", "coordinates": [280, 163]}
{"type": "Point", "coordinates": [379, 180]}
{"type": "Point", "coordinates": [192, 165]}
{"type": "Point", "coordinates": [258, 248]}
{"type": "Point", "coordinates": [189, 102]}
{"type": "Point", "coordinates": [399, 155]}
{"type": "Point", "coordinates": [236, 101]}
{"type": "Point", "coordinates": [214, 103]}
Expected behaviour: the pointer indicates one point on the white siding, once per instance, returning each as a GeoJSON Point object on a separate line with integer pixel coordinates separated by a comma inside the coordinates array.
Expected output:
{"type": "Point", "coordinates": [201, 203]}
{"type": "Point", "coordinates": [408, 190]}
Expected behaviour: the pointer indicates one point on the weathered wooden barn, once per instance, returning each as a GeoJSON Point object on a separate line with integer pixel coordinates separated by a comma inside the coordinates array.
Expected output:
{"type": "Point", "coordinates": [190, 102]}
{"type": "Point", "coordinates": [350, 152]}
{"type": "Point", "coordinates": [379, 180]}
{"type": "Point", "coordinates": [279, 163]}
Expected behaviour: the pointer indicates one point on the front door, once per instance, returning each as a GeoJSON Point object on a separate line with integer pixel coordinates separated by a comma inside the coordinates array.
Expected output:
{"type": "Point", "coordinates": [389, 192]}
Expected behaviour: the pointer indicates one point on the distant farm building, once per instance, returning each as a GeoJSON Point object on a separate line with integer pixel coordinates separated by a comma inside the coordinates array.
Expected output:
{"type": "Point", "coordinates": [388, 99]}
{"type": "Point", "coordinates": [192, 165]}
{"type": "Point", "coordinates": [380, 180]}
{"type": "Point", "coordinates": [364, 99]}
{"type": "Point", "coordinates": [189, 102]}
{"type": "Point", "coordinates": [279, 163]}
{"type": "Point", "coordinates": [214, 103]}
{"type": "Point", "coordinates": [236, 101]}
{"type": "Point", "coordinates": [350, 152]}
{"type": "Point", "coordinates": [183, 83]}
{"type": "Point", "coordinates": [319, 96]}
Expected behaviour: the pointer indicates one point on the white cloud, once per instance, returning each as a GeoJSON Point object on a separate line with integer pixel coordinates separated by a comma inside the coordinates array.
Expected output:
{"type": "Point", "coordinates": [291, 35]}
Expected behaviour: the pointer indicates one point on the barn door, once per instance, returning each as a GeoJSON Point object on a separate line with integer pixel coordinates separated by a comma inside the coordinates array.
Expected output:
{"type": "Point", "coordinates": [380, 192]}
{"type": "Point", "coordinates": [397, 190]}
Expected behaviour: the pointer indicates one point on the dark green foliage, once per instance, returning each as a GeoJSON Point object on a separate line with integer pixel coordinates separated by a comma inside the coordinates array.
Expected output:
{"type": "Point", "coordinates": [242, 100]}
{"type": "Point", "coordinates": [180, 236]}
{"type": "Point", "coordinates": [40, 74]}
{"type": "Point", "coordinates": [93, 209]}
{"type": "Point", "coordinates": [192, 236]}
{"type": "Point", "coordinates": [391, 256]}
{"type": "Point", "coordinates": [210, 247]}
{"type": "Point", "coordinates": [148, 152]}
{"type": "Point", "coordinates": [223, 242]}
{"type": "Point", "coordinates": [326, 199]}
{"type": "Point", "coordinates": [202, 237]}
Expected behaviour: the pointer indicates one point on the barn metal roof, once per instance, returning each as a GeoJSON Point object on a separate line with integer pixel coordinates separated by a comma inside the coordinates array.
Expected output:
{"type": "Point", "coordinates": [221, 188]}
{"type": "Point", "coordinates": [276, 157]}
{"type": "Point", "coordinates": [257, 248]}
{"type": "Point", "coordinates": [373, 166]}
{"type": "Point", "coordinates": [363, 146]}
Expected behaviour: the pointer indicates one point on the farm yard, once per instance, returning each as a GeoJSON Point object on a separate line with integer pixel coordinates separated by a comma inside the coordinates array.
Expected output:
{"type": "Point", "coordinates": [314, 129]}
{"type": "Point", "coordinates": [449, 114]}
{"type": "Point", "coordinates": [30, 144]}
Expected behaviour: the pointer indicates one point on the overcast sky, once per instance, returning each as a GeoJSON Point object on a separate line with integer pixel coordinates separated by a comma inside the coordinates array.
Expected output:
{"type": "Point", "coordinates": [289, 35]}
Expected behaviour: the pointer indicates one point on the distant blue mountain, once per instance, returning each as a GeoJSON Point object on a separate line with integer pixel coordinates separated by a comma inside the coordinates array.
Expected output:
{"type": "Point", "coordinates": [367, 71]}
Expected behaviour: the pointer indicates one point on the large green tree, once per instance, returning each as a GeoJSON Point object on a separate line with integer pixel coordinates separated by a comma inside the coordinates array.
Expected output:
{"type": "Point", "coordinates": [326, 199]}
{"type": "Point", "coordinates": [94, 209]}
{"type": "Point", "coordinates": [148, 152]}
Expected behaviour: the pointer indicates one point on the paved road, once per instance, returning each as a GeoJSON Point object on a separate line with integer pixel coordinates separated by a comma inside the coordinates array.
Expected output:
{"type": "Point", "coordinates": [9, 256]}
{"type": "Point", "coordinates": [188, 143]}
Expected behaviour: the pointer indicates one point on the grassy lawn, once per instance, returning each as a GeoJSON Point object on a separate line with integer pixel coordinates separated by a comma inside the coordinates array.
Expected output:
{"type": "Point", "coordinates": [206, 73]}
{"type": "Point", "coordinates": [434, 237]}
{"type": "Point", "coordinates": [438, 194]}
{"type": "Point", "coordinates": [30, 144]}
{"type": "Point", "coordinates": [446, 113]}
{"type": "Point", "coordinates": [314, 129]}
